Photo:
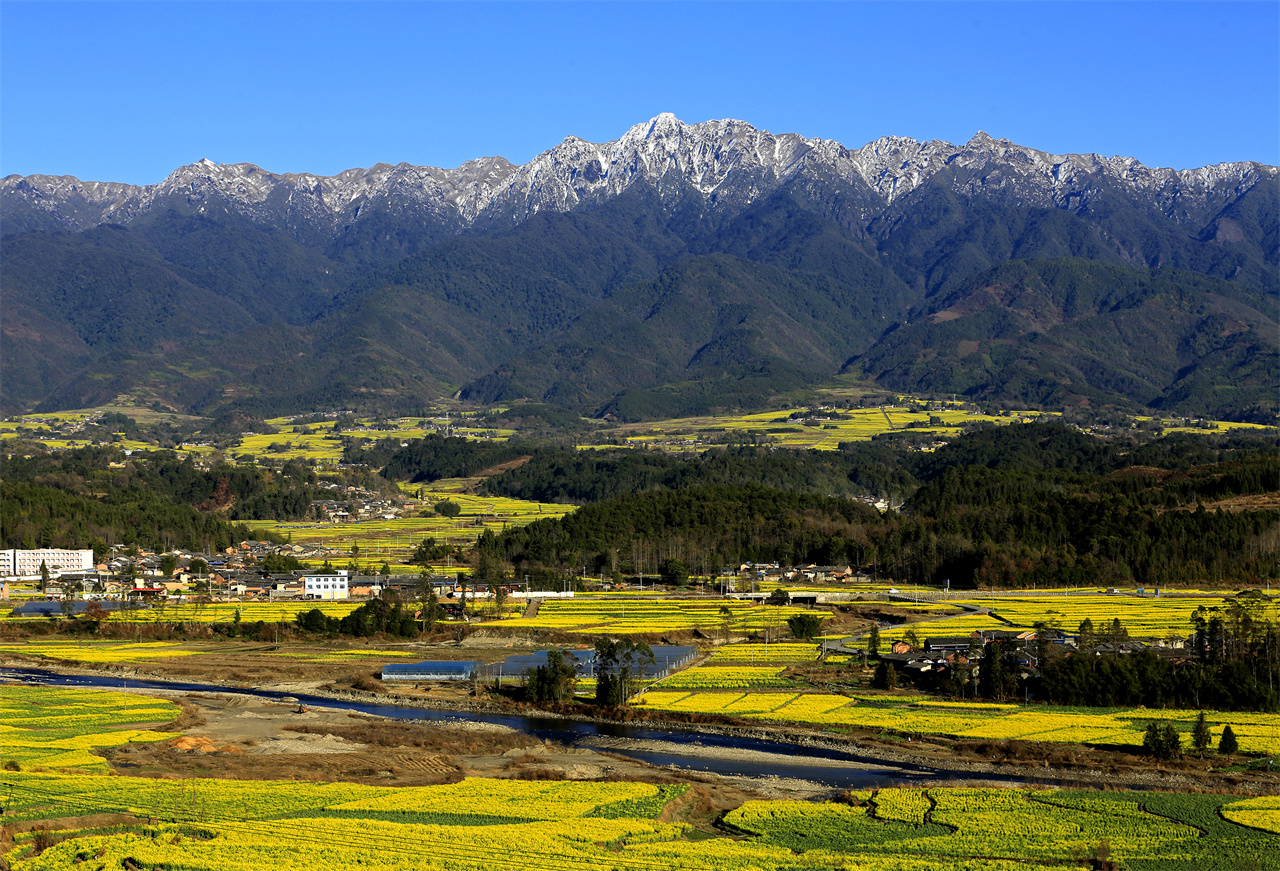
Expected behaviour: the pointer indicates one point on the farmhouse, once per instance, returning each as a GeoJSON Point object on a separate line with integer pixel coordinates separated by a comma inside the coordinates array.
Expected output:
{"type": "Point", "coordinates": [325, 586]}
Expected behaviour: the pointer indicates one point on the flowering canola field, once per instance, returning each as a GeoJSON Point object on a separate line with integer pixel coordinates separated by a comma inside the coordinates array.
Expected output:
{"type": "Point", "coordinates": [1143, 617]}
{"type": "Point", "coordinates": [83, 651]}
{"type": "Point", "coordinates": [1257, 733]}
{"type": "Point", "coordinates": [225, 612]}
{"type": "Point", "coordinates": [202, 824]}
{"type": "Point", "coordinates": [619, 615]}
{"type": "Point", "coordinates": [57, 728]}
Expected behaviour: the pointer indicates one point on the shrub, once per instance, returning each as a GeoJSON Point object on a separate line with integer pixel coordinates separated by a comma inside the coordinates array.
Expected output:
{"type": "Point", "coordinates": [804, 626]}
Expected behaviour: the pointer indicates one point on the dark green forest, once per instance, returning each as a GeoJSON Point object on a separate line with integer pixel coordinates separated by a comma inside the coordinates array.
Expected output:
{"type": "Point", "coordinates": [1020, 506]}
{"type": "Point", "coordinates": [97, 496]}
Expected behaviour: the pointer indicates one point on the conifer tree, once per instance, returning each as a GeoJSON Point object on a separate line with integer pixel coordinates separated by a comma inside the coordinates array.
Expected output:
{"type": "Point", "coordinates": [1200, 736]}
{"type": "Point", "coordinates": [1228, 745]}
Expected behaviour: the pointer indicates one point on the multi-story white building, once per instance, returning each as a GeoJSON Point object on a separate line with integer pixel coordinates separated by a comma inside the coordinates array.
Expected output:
{"type": "Point", "coordinates": [27, 562]}
{"type": "Point", "coordinates": [325, 586]}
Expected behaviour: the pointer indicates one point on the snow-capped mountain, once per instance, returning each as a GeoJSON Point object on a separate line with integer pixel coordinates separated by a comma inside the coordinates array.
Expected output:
{"type": "Point", "coordinates": [656, 271]}
{"type": "Point", "coordinates": [728, 163]}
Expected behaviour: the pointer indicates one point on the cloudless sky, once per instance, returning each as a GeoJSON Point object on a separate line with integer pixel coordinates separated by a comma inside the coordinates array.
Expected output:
{"type": "Point", "coordinates": [129, 91]}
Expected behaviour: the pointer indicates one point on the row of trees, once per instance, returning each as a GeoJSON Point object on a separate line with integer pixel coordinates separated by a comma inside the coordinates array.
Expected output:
{"type": "Point", "coordinates": [620, 664]}
{"type": "Point", "coordinates": [1162, 740]}
{"type": "Point", "coordinates": [375, 617]}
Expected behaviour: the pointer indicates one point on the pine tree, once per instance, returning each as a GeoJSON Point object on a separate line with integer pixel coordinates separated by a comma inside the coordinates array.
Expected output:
{"type": "Point", "coordinates": [1228, 745]}
{"type": "Point", "coordinates": [1151, 739]}
{"type": "Point", "coordinates": [1200, 735]}
{"type": "Point", "coordinates": [873, 641]}
{"type": "Point", "coordinates": [1087, 638]}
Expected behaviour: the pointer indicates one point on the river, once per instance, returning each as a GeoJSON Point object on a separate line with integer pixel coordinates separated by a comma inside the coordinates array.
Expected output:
{"type": "Point", "coordinates": [687, 749]}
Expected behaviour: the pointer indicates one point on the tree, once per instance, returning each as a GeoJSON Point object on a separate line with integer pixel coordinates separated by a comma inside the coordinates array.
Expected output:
{"type": "Point", "coordinates": [448, 508]}
{"type": "Point", "coordinates": [428, 551]}
{"type": "Point", "coordinates": [886, 676]}
{"type": "Point", "coordinates": [279, 563]}
{"type": "Point", "coordinates": [1162, 741]}
{"type": "Point", "coordinates": [431, 610]}
{"type": "Point", "coordinates": [385, 571]}
{"type": "Point", "coordinates": [912, 638]}
{"type": "Point", "coordinates": [620, 664]}
{"type": "Point", "coordinates": [993, 675]}
{"type": "Point", "coordinates": [778, 597]}
{"type": "Point", "coordinates": [804, 626]}
{"type": "Point", "coordinates": [1087, 638]}
{"type": "Point", "coordinates": [553, 682]}
{"type": "Point", "coordinates": [499, 593]}
{"type": "Point", "coordinates": [95, 613]}
{"type": "Point", "coordinates": [1228, 745]}
{"type": "Point", "coordinates": [198, 567]}
{"type": "Point", "coordinates": [674, 571]}
{"type": "Point", "coordinates": [1116, 633]}
{"type": "Point", "coordinates": [726, 618]}
{"type": "Point", "coordinates": [314, 621]}
{"type": "Point", "coordinates": [1200, 736]}
{"type": "Point", "coordinates": [44, 576]}
{"type": "Point", "coordinates": [873, 641]}
{"type": "Point", "coordinates": [168, 564]}
{"type": "Point", "coordinates": [462, 582]}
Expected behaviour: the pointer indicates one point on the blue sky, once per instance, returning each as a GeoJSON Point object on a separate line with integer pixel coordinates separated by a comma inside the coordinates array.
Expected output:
{"type": "Point", "coordinates": [129, 91]}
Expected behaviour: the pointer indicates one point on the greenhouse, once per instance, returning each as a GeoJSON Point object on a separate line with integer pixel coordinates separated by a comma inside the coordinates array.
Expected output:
{"type": "Point", "coordinates": [666, 659]}
{"type": "Point", "coordinates": [433, 670]}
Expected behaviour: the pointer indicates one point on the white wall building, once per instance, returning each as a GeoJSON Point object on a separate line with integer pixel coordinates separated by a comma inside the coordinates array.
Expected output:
{"type": "Point", "coordinates": [325, 586]}
{"type": "Point", "coordinates": [27, 562]}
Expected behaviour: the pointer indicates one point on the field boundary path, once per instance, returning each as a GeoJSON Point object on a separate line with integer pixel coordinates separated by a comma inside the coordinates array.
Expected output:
{"type": "Point", "coordinates": [531, 610]}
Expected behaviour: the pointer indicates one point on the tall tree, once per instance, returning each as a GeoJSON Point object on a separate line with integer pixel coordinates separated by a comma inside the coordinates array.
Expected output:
{"type": "Point", "coordinates": [1200, 736]}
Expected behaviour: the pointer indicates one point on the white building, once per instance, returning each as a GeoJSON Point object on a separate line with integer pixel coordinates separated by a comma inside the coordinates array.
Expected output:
{"type": "Point", "coordinates": [27, 562]}
{"type": "Point", "coordinates": [325, 586]}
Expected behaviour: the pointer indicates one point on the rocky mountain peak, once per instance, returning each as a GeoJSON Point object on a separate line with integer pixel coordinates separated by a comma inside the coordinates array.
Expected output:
{"type": "Point", "coordinates": [728, 162]}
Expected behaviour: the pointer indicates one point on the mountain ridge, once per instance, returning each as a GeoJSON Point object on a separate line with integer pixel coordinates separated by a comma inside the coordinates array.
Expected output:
{"type": "Point", "coordinates": [706, 155]}
{"type": "Point", "coordinates": [677, 266]}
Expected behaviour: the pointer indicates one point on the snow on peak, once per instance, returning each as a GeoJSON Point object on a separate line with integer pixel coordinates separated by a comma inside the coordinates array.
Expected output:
{"type": "Point", "coordinates": [725, 161]}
